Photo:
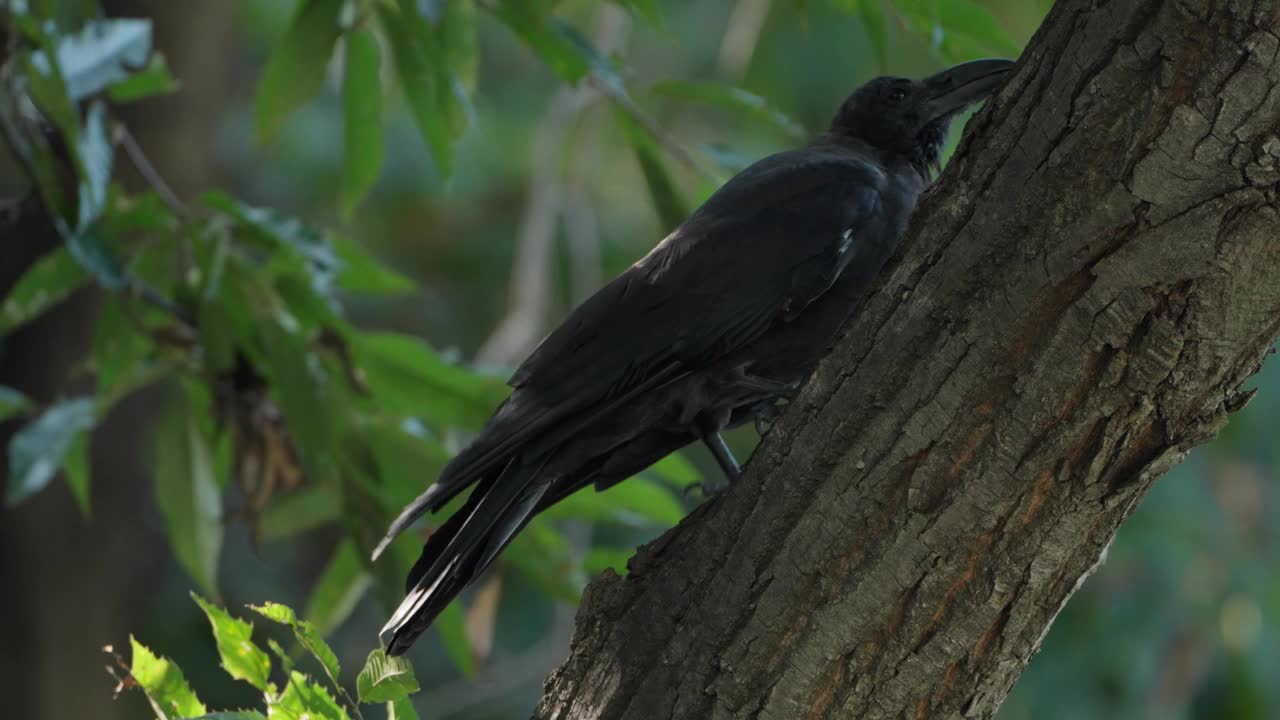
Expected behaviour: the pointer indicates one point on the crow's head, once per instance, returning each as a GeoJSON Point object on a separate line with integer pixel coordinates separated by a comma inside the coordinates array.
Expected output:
{"type": "Point", "coordinates": [908, 119]}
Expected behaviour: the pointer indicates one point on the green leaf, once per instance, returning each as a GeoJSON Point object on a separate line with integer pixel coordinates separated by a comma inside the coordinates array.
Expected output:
{"type": "Point", "coordinates": [452, 627]}
{"type": "Point", "coordinates": [37, 450]}
{"type": "Point", "coordinates": [12, 402]}
{"type": "Point", "coordinates": [233, 715]}
{"type": "Point", "coordinates": [234, 637]}
{"type": "Point", "coordinates": [600, 559]}
{"type": "Point", "coordinates": [407, 378]}
{"type": "Point", "coordinates": [295, 71]}
{"type": "Point", "coordinates": [420, 63]}
{"type": "Point", "coordinates": [75, 466]}
{"type": "Point", "coordinates": [462, 43]}
{"type": "Point", "coordinates": [188, 494]}
{"type": "Point", "coordinates": [362, 273]}
{"type": "Point", "coordinates": [45, 284]}
{"type": "Point", "coordinates": [341, 585]}
{"type": "Point", "coordinates": [736, 99]}
{"type": "Point", "coordinates": [305, 700]}
{"type": "Point", "coordinates": [275, 231]}
{"type": "Point", "coordinates": [667, 200]}
{"type": "Point", "coordinates": [962, 29]}
{"type": "Point", "coordinates": [306, 634]}
{"type": "Point", "coordinates": [154, 79]}
{"type": "Point", "coordinates": [95, 150]}
{"type": "Point", "coordinates": [647, 9]}
{"type": "Point", "coordinates": [120, 353]}
{"type": "Point", "coordinates": [163, 682]}
{"type": "Point", "coordinates": [286, 662]}
{"type": "Point", "coordinates": [104, 52]}
{"type": "Point", "coordinates": [632, 502]}
{"type": "Point", "coordinates": [676, 469]}
{"type": "Point", "coordinates": [298, 512]}
{"type": "Point", "coordinates": [385, 679]}
{"type": "Point", "coordinates": [362, 119]}
{"type": "Point", "coordinates": [561, 46]}
{"type": "Point", "coordinates": [301, 386]}
{"type": "Point", "coordinates": [401, 709]}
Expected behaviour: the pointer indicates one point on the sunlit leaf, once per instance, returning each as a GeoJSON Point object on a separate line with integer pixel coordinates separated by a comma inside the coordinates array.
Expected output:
{"type": "Point", "coordinates": [303, 699]}
{"type": "Point", "coordinates": [295, 72]}
{"type": "Point", "coordinates": [37, 450]}
{"type": "Point", "coordinates": [362, 118]}
{"type": "Point", "coordinates": [241, 658]}
{"type": "Point", "coordinates": [163, 682]}
{"type": "Point", "coordinates": [306, 634]}
{"type": "Point", "coordinates": [736, 99]}
{"type": "Point", "coordinates": [188, 494]}
{"type": "Point", "coordinates": [401, 709]}
{"type": "Point", "coordinates": [45, 284]}
{"type": "Point", "coordinates": [385, 679]}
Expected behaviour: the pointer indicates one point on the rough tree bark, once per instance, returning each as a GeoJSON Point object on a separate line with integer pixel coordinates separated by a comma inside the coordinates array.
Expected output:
{"type": "Point", "coordinates": [1076, 306]}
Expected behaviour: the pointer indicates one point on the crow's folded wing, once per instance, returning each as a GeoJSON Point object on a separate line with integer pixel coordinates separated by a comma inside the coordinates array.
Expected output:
{"type": "Point", "coordinates": [764, 246]}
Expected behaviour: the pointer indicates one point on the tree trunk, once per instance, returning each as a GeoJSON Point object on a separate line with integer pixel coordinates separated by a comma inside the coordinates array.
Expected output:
{"type": "Point", "coordinates": [1075, 307]}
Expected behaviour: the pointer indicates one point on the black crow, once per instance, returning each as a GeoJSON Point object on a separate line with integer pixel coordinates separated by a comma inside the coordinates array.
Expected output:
{"type": "Point", "coordinates": [721, 320]}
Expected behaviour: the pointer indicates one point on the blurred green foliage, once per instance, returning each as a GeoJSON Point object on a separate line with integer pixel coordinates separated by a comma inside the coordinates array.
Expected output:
{"type": "Point", "coordinates": [377, 165]}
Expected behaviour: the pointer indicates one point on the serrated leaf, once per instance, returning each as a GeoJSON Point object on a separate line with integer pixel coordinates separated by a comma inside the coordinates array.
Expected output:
{"type": "Point", "coordinates": [401, 709]}
{"type": "Point", "coordinates": [45, 284]}
{"type": "Point", "coordinates": [295, 72]}
{"type": "Point", "coordinates": [732, 98]}
{"type": "Point", "coordinates": [154, 79]}
{"type": "Point", "coordinates": [362, 119]}
{"type": "Point", "coordinates": [233, 715]}
{"type": "Point", "coordinates": [303, 699]}
{"type": "Point", "coordinates": [241, 658]}
{"type": "Point", "coordinates": [37, 450]}
{"type": "Point", "coordinates": [342, 583]}
{"type": "Point", "coordinates": [306, 634]}
{"type": "Point", "coordinates": [385, 679]}
{"type": "Point", "coordinates": [104, 52]}
{"type": "Point", "coordinates": [12, 402]}
{"type": "Point", "coordinates": [163, 682]}
{"type": "Point", "coordinates": [188, 494]}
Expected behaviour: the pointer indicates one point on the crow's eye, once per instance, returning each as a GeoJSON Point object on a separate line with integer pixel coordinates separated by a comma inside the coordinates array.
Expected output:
{"type": "Point", "coordinates": [897, 95]}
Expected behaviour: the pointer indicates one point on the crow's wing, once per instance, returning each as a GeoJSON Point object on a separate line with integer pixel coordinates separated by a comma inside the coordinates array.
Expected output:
{"type": "Point", "coordinates": [764, 246]}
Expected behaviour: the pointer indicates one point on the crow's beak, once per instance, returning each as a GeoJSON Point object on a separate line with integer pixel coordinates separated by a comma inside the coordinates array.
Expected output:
{"type": "Point", "coordinates": [951, 90]}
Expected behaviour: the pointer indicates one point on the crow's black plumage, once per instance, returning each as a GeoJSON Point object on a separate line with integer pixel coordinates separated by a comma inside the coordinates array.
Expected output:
{"type": "Point", "coordinates": [722, 319]}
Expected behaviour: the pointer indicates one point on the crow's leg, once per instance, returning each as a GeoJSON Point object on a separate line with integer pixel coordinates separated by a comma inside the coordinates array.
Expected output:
{"type": "Point", "coordinates": [767, 386]}
{"type": "Point", "coordinates": [709, 431]}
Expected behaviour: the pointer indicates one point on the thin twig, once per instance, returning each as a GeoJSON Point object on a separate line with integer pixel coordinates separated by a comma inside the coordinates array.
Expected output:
{"type": "Point", "coordinates": [148, 171]}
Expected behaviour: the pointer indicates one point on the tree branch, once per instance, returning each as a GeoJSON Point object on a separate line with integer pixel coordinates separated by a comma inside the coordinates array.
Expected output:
{"type": "Point", "coordinates": [1075, 306]}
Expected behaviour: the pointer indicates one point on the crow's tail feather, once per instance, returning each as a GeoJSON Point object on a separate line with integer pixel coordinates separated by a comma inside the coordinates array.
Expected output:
{"type": "Point", "coordinates": [459, 552]}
